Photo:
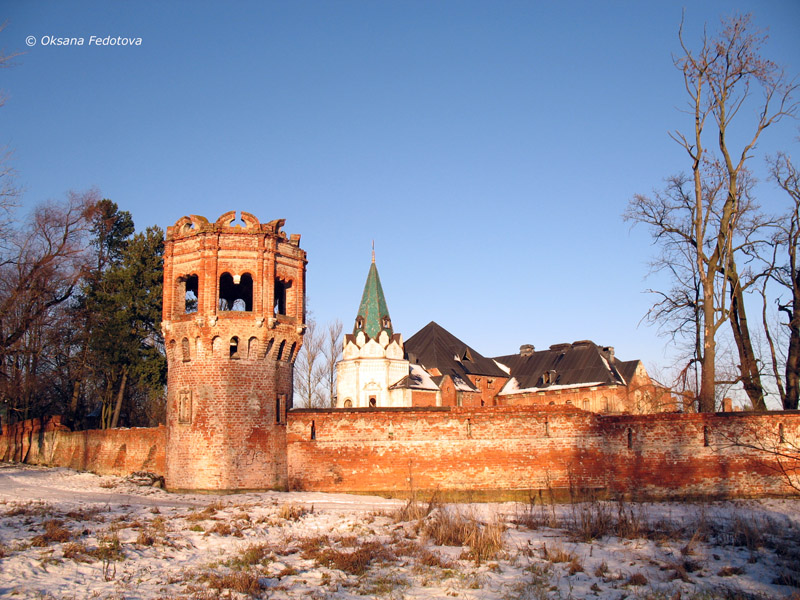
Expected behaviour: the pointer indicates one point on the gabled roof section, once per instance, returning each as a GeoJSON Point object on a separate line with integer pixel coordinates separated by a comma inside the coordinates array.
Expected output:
{"type": "Point", "coordinates": [435, 347]}
{"type": "Point", "coordinates": [373, 315]}
{"type": "Point", "coordinates": [572, 365]}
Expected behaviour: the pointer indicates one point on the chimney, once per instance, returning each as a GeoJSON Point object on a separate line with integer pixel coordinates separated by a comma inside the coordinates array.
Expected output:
{"type": "Point", "coordinates": [526, 350]}
{"type": "Point", "coordinates": [608, 353]}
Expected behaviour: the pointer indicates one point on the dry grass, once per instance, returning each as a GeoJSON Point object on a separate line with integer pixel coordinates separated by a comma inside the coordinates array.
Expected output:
{"type": "Point", "coordinates": [54, 531]}
{"type": "Point", "coordinates": [730, 571]}
{"type": "Point", "coordinates": [355, 561]}
{"type": "Point", "coordinates": [109, 548]}
{"type": "Point", "coordinates": [223, 528]}
{"type": "Point", "coordinates": [30, 509]}
{"type": "Point", "coordinates": [254, 554]}
{"type": "Point", "coordinates": [557, 554]}
{"type": "Point", "coordinates": [422, 555]}
{"type": "Point", "coordinates": [242, 582]}
{"type": "Point", "coordinates": [77, 552]}
{"type": "Point", "coordinates": [448, 526]}
{"type": "Point", "coordinates": [637, 579]}
{"type": "Point", "coordinates": [292, 512]}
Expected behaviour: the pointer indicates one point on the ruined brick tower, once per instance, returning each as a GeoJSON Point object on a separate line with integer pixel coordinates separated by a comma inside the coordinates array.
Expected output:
{"type": "Point", "coordinates": [234, 317]}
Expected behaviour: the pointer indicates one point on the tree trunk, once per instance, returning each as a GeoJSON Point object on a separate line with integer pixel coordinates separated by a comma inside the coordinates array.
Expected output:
{"type": "Point", "coordinates": [790, 401]}
{"type": "Point", "coordinates": [748, 367]}
{"type": "Point", "coordinates": [706, 401]}
{"type": "Point", "coordinates": [120, 396]}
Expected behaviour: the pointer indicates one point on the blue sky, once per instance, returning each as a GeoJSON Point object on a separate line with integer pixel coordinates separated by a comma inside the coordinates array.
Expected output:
{"type": "Point", "coordinates": [489, 148]}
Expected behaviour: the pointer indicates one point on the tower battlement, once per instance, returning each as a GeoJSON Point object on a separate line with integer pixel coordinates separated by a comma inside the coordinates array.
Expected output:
{"type": "Point", "coordinates": [233, 321]}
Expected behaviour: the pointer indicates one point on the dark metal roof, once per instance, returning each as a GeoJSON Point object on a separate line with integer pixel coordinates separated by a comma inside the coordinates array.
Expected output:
{"type": "Point", "coordinates": [582, 362]}
{"type": "Point", "coordinates": [435, 347]}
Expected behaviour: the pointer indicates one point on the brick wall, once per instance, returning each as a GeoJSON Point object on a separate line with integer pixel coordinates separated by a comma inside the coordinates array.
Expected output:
{"type": "Point", "coordinates": [106, 452]}
{"type": "Point", "coordinates": [535, 448]}
{"type": "Point", "coordinates": [520, 449]}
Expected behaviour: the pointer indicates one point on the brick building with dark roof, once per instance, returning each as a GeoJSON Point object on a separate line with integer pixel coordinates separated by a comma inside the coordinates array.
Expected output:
{"type": "Point", "coordinates": [435, 368]}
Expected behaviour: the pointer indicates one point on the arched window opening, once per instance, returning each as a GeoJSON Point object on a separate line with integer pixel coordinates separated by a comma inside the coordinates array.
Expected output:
{"type": "Point", "coordinates": [280, 350]}
{"type": "Point", "coordinates": [252, 348]}
{"type": "Point", "coordinates": [198, 347]}
{"type": "Point", "coordinates": [278, 410]}
{"type": "Point", "coordinates": [373, 401]}
{"type": "Point", "coordinates": [282, 288]}
{"type": "Point", "coordinates": [234, 348]}
{"type": "Point", "coordinates": [313, 430]}
{"type": "Point", "coordinates": [291, 352]}
{"type": "Point", "coordinates": [185, 348]}
{"type": "Point", "coordinates": [585, 404]}
{"type": "Point", "coordinates": [235, 292]}
{"type": "Point", "coordinates": [781, 434]}
{"type": "Point", "coordinates": [270, 344]}
{"type": "Point", "coordinates": [348, 403]}
{"type": "Point", "coordinates": [547, 428]}
{"type": "Point", "coordinates": [191, 294]}
{"type": "Point", "coordinates": [630, 438]}
{"type": "Point", "coordinates": [706, 436]}
{"type": "Point", "coordinates": [172, 348]}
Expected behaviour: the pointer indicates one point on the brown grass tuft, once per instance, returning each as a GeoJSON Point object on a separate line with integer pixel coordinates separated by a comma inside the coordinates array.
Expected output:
{"type": "Point", "coordinates": [637, 579]}
{"type": "Point", "coordinates": [237, 581]}
{"type": "Point", "coordinates": [54, 531]}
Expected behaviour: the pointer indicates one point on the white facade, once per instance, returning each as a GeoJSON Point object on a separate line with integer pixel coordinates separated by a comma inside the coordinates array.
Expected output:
{"type": "Point", "coordinates": [368, 368]}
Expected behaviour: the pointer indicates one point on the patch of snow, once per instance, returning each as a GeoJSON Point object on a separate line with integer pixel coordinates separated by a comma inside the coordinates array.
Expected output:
{"type": "Point", "coordinates": [502, 366]}
{"type": "Point", "coordinates": [550, 388]}
{"type": "Point", "coordinates": [181, 546]}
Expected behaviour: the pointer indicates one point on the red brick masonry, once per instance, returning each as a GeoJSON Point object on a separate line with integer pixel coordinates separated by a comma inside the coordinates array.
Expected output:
{"type": "Point", "coordinates": [479, 449]}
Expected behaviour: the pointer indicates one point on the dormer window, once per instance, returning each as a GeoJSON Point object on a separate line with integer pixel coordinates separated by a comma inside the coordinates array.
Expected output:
{"type": "Point", "coordinates": [359, 323]}
{"type": "Point", "coordinates": [386, 323]}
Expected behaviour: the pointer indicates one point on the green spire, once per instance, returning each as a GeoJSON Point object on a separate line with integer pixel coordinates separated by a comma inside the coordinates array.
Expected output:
{"type": "Point", "coordinates": [373, 316]}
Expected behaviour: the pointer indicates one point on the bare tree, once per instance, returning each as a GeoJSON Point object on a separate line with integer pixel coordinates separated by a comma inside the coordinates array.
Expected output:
{"type": "Point", "coordinates": [40, 266]}
{"type": "Point", "coordinates": [700, 219]}
{"type": "Point", "coordinates": [308, 371]}
{"type": "Point", "coordinates": [332, 354]}
{"type": "Point", "coordinates": [788, 276]}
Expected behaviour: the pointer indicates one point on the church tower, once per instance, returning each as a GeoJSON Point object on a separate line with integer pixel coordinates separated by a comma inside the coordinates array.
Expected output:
{"type": "Point", "coordinates": [372, 359]}
{"type": "Point", "coordinates": [233, 323]}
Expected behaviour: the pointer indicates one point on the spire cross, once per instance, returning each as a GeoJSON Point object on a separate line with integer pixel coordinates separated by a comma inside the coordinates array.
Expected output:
{"type": "Point", "coordinates": [373, 251]}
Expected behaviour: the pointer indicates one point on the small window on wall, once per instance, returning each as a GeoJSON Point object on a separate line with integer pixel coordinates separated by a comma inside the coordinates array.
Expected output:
{"type": "Point", "coordinates": [191, 294]}
{"type": "Point", "coordinates": [235, 292]}
{"type": "Point", "coordinates": [185, 349]}
{"type": "Point", "coordinates": [586, 404]}
{"type": "Point", "coordinates": [234, 348]}
{"type": "Point", "coordinates": [348, 403]}
{"type": "Point", "coordinates": [373, 401]}
{"type": "Point", "coordinates": [630, 438]}
{"type": "Point", "coordinates": [279, 404]}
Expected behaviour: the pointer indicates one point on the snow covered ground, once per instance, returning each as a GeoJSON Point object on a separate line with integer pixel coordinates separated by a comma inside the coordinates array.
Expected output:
{"type": "Point", "coordinates": [76, 535]}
